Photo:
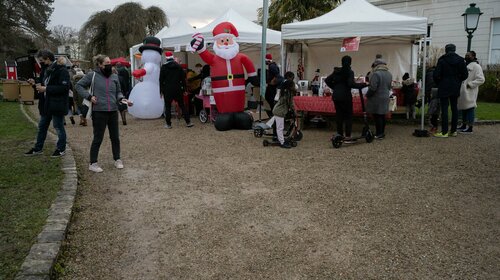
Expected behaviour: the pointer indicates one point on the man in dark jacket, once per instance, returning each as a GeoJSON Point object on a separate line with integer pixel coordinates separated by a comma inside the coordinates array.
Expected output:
{"type": "Point", "coordinates": [53, 89]}
{"type": "Point", "coordinates": [448, 76]}
{"type": "Point", "coordinates": [172, 87]}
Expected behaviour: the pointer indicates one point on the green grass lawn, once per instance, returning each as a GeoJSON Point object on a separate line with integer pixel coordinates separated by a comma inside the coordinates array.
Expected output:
{"type": "Point", "coordinates": [28, 186]}
{"type": "Point", "coordinates": [488, 111]}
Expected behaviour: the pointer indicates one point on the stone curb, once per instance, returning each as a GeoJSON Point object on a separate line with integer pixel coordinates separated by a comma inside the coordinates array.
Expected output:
{"type": "Point", "coordinates": [43, 254]}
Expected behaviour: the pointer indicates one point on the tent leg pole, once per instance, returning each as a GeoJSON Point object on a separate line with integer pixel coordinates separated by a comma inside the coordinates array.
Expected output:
{"type": "Point", "coordinates": [422, 121]}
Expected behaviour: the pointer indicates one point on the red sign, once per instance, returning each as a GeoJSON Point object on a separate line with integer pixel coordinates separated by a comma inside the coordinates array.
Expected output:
{"type": "Point", "coordinates": [350, 44]}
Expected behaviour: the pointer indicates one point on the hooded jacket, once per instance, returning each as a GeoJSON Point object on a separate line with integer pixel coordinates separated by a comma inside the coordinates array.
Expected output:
{"type": "Point", "coordinates": [449, 74]}
{"type": "Point", "coordinates": [107, 90]}
{"type": "Point", "coordinates": [342, 80]}
{"type": "Point", "coordinates": [172, 80]}
{"type": "Point", "coordinates": [55, 100]}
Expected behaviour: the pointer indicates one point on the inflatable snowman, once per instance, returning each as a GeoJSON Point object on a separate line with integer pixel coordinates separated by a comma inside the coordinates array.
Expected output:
{"type": "Point", "coordinates": [148, 103]}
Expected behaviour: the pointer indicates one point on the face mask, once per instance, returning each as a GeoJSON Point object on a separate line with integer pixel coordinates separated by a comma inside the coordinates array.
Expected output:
{"type": "Point", "coordinates": [107, 70]}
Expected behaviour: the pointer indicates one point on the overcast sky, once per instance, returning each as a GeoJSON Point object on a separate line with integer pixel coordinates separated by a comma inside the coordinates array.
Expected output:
{"type": "Point", "coordinates": [74, 13]}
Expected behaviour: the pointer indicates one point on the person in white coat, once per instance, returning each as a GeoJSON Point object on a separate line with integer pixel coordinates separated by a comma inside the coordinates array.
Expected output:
{"type": "Point", "coordinates": [468, 92]}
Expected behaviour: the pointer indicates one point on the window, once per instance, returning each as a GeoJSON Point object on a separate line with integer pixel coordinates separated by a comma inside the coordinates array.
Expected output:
{"type": "Point", "coordinates": [495, 42]}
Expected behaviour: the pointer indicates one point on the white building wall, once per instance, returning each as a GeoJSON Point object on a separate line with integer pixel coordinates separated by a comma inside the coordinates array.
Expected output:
{"type": "Point", "coordinates": [448, 23]}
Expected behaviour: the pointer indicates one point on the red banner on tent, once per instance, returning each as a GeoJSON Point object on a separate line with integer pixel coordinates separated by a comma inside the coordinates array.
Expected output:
{"type": "Point", "coordinates": [350, 44]}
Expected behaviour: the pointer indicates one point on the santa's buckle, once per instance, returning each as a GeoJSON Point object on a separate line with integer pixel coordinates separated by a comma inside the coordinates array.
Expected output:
{"type": "Point", "coordinates": [230, 77]}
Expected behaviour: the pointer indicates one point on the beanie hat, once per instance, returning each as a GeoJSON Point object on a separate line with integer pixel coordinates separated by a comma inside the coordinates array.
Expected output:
{"type": "Point", "coordinates": [450, 48]}
{"type": "Point", "coordinates": [269, 57]}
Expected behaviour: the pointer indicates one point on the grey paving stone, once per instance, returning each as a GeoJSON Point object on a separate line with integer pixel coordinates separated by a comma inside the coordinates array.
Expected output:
{"type": "Point", "coordinates": [32, 277]}
{"type": "Point", "coordinates": [44, 251]}
{"type": "Point", "coordinates": [36, 267]}
{"type": "Point", "coordinates": [51, 236]}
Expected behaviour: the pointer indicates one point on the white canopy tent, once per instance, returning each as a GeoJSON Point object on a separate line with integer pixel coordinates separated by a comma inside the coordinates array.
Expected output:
{"type": "Point", "coordinates": [250, 37]}
{"type": "Point", "coordinates": [381, 32]}
{"type": "Point", "coordinates": [179, 35]}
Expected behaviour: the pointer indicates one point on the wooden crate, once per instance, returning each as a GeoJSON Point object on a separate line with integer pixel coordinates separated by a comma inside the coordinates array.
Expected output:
{"type": "Point", "coordinates": [10, 90]}
{"type": "Point", "coordinates": [27, 94]}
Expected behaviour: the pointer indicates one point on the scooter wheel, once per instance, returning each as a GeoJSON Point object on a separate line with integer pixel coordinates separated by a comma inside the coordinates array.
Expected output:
{"type": "Point", "coordinates": [369, 136]}
{"type": "Point", "coordinates": [293, 144]}
{"type": "Point", "coordinates": [258, 132]}
{"type": "Point", "coordinates": [298, 136]}
{"type": "Point", "coordinates": [265, 143]}
{"type": "Point", "coordinates": [203, 116]}
{"type": "Point", "coordinates": [337, 142]}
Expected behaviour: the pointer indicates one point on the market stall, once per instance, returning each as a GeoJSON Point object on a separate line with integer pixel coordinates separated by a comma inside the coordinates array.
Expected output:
{"type": "Point", "coordinates": [320, 39]}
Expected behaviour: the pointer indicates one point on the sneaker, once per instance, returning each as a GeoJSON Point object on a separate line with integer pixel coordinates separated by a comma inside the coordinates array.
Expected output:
{"type": "Point", "coordinates": [462, 127]}
{"type": "Point", "coordinates": [349, 140]}
{"type": "Point", "coordinates": [95, 168]}
{"type": "Point", "coordinates": [168, 126]}
{"type": "Point", "coordinates": [380, 136]}
{"type": "Point", "coordinates": [58, 153]}
{"type": "Point", "coordinates": [33, 152]}
{"type": "Point", "coordinates": [285, 145]}
{"type": "Point", "coordinates": [119, 164]}
{"type": "Point", "coordinates": [189, 124]}
{"type": "Point", "coordinates": [452, 134]}
{"type": "Point", "coordinates": [467, 131]}
{"type": "Point", "coordinates": [441, 135]}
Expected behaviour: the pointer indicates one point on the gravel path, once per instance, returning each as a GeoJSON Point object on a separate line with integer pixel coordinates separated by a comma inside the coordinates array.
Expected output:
{"type": "Point", "coordinates": [194, 203]}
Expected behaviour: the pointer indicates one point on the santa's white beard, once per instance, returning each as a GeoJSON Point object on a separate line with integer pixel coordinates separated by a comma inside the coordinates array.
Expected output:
{"type": "Point", "coordinates": [227, 52]}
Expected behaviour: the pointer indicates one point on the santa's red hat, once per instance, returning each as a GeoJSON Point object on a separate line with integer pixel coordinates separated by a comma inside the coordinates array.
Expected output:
{"type": "Point", "coordinates": [269, 57]}
{"type": "Point", "coordinates": [184, 66]}
{"type": "Point", "coordinates": [169, 55]}
{"type": "Point", "coordinates": [224, 29]}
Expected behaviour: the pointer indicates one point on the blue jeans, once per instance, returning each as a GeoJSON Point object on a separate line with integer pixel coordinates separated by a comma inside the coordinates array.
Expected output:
{"type": "Point", "coordinates": [43, 127]}
{"type": "Point", "coordinates": [468, 116]}
{"type": "Point", "coordinates": [452, 102]}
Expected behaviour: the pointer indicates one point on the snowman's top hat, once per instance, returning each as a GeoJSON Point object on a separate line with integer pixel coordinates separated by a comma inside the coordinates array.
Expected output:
{"type": "Point", "coordinates": [151, 43]}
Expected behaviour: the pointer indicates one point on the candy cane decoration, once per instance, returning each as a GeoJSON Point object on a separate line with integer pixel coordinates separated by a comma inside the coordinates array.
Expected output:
{"type": "Point", "coordinates": [196, 44]}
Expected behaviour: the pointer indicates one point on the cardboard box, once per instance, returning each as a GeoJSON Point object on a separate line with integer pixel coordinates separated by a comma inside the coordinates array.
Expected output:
{"type": "Point", "coordinates": [10, 90]}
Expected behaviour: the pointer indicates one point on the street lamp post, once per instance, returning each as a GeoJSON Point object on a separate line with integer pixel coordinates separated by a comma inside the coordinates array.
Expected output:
{"type": "Point", "coordinates": [471, 20]}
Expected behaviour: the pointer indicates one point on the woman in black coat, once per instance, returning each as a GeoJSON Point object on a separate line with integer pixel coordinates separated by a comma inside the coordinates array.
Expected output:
{"type": "Point", "coordinates": [341, 81]}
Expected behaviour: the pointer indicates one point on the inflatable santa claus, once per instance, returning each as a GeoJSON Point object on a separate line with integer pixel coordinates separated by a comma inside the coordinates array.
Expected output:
{"type": "Point", "coordinates": [227, 71]}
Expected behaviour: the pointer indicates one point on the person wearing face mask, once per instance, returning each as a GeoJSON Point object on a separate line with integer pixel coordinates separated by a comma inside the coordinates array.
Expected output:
{"type": "Point", "coordinates": [105, 97]}
{"type": "Point", "coordinates": [469, 91]}
{"type": "Point", "coordinates": [52, 89]}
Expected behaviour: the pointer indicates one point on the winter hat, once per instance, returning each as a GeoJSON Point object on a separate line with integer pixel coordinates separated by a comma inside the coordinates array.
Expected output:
{"type": "Point", "coordinates": [151, 43]}
{"type": "Point", "coordinates": [406, 76]}
{"type": "Point", "coordinates": [184, 66]}
{"type": "Point", "coordinates": [169, 55]}
{"type": "Point", "coordinates": [269, 57]}
{"type": "Point", "coordinates": [450, 48]}
{"type": "Point", "coordinates": [223, 29]}
{"type": "Point", "coordinates": [378, 62]}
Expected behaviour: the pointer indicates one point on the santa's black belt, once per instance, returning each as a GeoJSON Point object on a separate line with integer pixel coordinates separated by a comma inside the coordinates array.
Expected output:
{"type": "Point", "coordinates": [227, 77]}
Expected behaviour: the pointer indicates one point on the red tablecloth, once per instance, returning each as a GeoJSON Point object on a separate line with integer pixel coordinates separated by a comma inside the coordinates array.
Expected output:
{"type": "Point", "coordinates": [324, 105]}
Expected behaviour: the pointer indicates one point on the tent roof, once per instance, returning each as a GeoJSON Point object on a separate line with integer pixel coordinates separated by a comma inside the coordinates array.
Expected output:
{"type": "Point", "coordinates": [355, 18]}
{"type": "Point", "coordinates": [169, 38]}
{"type": "Point", "coordinates": [249, 31]}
